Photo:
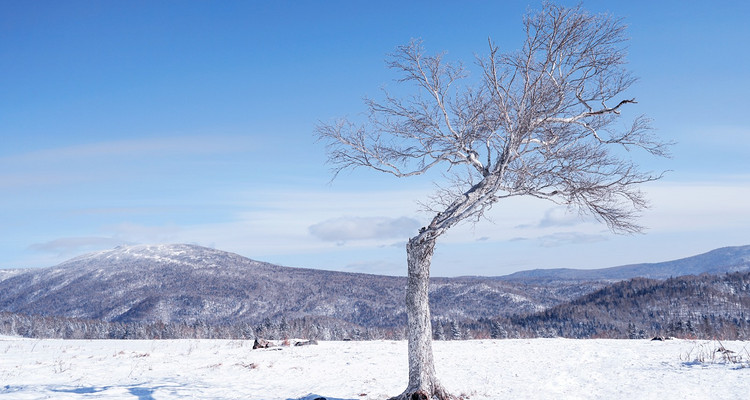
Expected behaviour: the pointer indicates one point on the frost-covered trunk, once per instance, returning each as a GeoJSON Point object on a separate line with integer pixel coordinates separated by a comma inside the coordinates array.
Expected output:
{"type": "Point", "coordinates": [423, 383]}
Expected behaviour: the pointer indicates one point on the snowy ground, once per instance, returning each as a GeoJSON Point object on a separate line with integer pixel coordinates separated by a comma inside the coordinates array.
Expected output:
{"type": "Point", "coordinates": [479, 370]}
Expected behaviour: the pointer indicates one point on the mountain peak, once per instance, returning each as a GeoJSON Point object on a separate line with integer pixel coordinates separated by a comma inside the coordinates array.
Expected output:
{"type": "Point", "coordinates": [152, 254]}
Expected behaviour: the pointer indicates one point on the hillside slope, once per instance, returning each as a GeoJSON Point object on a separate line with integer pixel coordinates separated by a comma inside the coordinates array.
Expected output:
{"type": "Point", "coordinates": [705, 306]}
{"type": "Point", "coordinates": [185, 283]}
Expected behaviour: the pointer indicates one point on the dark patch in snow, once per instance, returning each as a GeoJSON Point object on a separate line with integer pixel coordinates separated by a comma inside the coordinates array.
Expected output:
{"type": "Point", "coordinates": [142, 393]}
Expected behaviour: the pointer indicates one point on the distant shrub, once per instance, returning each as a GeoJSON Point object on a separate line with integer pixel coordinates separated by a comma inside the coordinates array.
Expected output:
{"type": "Point", "coordinates": [716, 353]}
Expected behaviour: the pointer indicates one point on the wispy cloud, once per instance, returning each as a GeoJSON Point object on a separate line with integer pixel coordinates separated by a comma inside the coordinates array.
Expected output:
{"type": "Point", "coordinates": [361, 228]}
{"type": "Point", "coordinates": [555, 217]}
{"type": "Point", "coordinates": [121, 234]}
{"type": "Point", "coordinates": [559, 217]}
{"type": "Point", "coordinates": [112, 161]}
{"type": "Point", "coordinates": [137, 147]}
{"type": "Point", "coordinates": [567, 238]}
{"type": "Point", "coordinates": [76, 245]}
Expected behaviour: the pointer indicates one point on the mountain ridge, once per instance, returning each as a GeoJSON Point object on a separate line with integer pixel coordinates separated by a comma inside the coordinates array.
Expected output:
{"type": "Point", "coordinates": [190, 283]}
{"type": "Point", "coordinates": [721, 260]}
{"type": "Point", "coordinates": [193, 286]}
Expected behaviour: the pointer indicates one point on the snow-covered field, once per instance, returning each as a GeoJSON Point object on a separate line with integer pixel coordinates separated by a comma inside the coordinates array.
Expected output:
{"type": "Point", "coordinates": [479, 369]}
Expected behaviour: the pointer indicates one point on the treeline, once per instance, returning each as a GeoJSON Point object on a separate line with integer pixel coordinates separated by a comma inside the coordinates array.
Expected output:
{"type": "Point", "coordinates": [700, 307]}
{"type": "Point", "coordinates": [697, 326]}
{"type": "Point", "coordinates": [319, 328]}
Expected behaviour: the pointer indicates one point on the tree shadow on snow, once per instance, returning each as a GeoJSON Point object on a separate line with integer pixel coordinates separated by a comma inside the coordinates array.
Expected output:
{"type": "Point", "coordinates": [142, 393]}
{"type": "Point", "coordinates": [81, 390]}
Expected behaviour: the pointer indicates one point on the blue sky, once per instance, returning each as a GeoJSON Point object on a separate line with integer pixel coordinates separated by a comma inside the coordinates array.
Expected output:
{"type": "Point", "coordinates": [139, 122]}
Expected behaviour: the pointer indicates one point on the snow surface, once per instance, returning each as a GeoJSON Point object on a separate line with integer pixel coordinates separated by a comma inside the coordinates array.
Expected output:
{"type": "Point", "coordinates": [478, 369]}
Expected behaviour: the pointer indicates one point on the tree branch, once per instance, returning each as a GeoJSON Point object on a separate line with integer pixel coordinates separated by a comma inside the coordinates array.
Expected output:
{"type": "Point", "coordinates": [531, 127]}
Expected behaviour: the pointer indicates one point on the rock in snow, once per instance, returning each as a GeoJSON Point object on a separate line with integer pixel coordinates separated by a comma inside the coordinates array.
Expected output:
{"type": "Point", "coordinates": [262, 344]}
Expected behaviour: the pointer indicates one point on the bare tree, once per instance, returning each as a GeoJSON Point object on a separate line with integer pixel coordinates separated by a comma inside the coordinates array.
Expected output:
{"type": "Point", "coordinates": [537, 122]}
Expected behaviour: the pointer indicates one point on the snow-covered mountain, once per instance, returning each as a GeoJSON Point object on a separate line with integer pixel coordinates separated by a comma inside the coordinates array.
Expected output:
{"type": "Point", "coordinates": [7, 273]}
{"type": "Point", "coordinates": [186, 283]}
{"type": "Point", "coordinates": [719, 261]}
{"type": "Point", "coordinates": [192, 284]}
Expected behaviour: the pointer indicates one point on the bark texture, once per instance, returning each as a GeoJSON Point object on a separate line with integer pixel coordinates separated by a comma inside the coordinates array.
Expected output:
{"type": "Point", "coordinates": [423, 383]}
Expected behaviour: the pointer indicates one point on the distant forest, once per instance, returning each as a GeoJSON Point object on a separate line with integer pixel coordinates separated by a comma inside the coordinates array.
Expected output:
{"type": "Point", "coordinates": [693, 307]}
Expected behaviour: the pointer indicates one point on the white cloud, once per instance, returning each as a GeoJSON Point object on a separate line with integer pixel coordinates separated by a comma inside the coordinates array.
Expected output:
{"type": "Point", "coordinates": [567, 238]}
{"type": "Point", "coordinates": [362, 228]}
{"type": "Point", "coordinates": [559, 217]}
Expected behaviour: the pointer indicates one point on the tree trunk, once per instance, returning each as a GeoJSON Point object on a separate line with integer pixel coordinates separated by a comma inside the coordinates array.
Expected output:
{"type": "Point", "coordinates": [423, 383]}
